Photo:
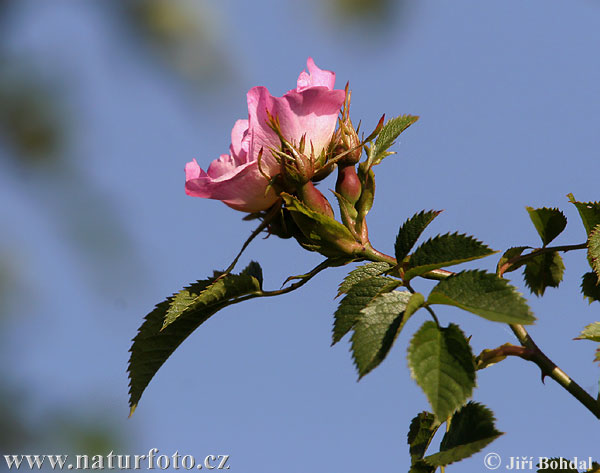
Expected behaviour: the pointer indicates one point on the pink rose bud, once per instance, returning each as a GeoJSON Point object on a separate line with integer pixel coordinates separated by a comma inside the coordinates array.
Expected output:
{"type": "Point", "coordinates": [238, 179]}
{"type": "Point", "coordinates": [313, 198]}
{"type": "Point", "coordinates": [348, 184]}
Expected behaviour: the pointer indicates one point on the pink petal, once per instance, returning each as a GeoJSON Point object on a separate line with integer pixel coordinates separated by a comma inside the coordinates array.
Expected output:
{"type": "Point", "coordinates": [316, 77]}
{"type": "Point", "coordinates": [244, 188]}
{"type": "Point", "coordinates": [240, 141]}
{"type": "Point", "coordinates": [313, 112]}
{"type": "Point", "coordinates": [222, 166]}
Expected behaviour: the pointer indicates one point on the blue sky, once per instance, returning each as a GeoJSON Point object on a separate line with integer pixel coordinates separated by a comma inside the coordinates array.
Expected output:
{"type": "Point", "coordinates": [509, 102]}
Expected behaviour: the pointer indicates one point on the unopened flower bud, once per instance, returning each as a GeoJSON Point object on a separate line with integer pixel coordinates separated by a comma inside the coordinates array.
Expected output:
{"type": "Point", "coordinates": [348, 184]}
{"type": "Point", "coordinates": [312, 197]}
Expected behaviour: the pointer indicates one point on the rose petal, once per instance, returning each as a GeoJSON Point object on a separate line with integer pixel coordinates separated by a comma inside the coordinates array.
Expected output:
{"type": "Point", "coordinates": [315, 77]}
{"type": "Point", "coordinates": [240, 141]}
{"type": "Point", "coordinates": [244, 188]}
{"type": "Point", "coordinates": [313, 112]}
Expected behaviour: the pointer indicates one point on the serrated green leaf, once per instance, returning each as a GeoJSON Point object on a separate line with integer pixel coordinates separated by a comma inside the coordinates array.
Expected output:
{"type": "Point", "coordinates": [554, 465]}
{"type": "Point", "coordinates": [376, 329]}
{"type": "Point", "coordinates": [508, 255]}
{"type": "Point", "coordinates": [542, 271]}
{"type": "Point", "coordinates": [549, 223]}
{"type": "Point", "coordinates": [483, 294]}
{"type": "Point", "coordinates": [357, 298]}
{"type": "Point", "coordinates": [594, 249]}
{"type": "Point", "coordinates": [411, 230]}
{"type": "Point", "coordinates": [362, 272]}
{"type": "Point", "coordinates": [589, 213]}
{"type": "Point", "coordinates": [590, 287]}
{"type": "Point", "coordinates": [445, 250]}
{"type": "Point", "coordinates": [153, 345]}
{"type": "Point", "coordinates": [222, 289]}
{"type": "Point", "coordinates": [441, 362]}
{"type": "Point", "coordinates": [420, 434]}
{"type": "Point", "coordinates": [388, 134]}
{"type": "Point", "coordinates": [590, 332]}
{"type": "Point", "coordinates": [471, 429]}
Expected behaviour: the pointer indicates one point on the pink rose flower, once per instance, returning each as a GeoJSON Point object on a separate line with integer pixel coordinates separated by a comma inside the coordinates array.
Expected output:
{"type": "Point", "coordinates": [310, 109]}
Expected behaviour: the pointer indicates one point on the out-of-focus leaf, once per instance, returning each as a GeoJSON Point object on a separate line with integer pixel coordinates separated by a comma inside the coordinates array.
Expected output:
{"type": "Point", "coordinates": [590, 287]}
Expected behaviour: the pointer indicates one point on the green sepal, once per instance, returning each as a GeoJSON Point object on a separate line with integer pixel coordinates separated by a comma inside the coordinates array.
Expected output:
{"type": "Point", "coordinates": [347, 212]}
{"type": "Point", "coordinates": [367, 196]}
{"type": "Point", "coordinates": [420, 434]}
{"type": "Point", "coordinates": [549, 223]}
{"type": "Point", "coordinates": [410, 231]}
{"type": "Point", "coordinates": [357, 298]}
{"type": "Point", "coordinates": [376, 329]}
{"type": "Point", "coordinates": [223, 288]}
{"type": "Point", "coordinates": [502, 266]}
{"type": "Point", "coordinates": [542, 271]}
{"type": "Point", "coordinates": [483, 294]}
{"type": "Point", "coordinates": [588, 211]}
{"type": "Point", "coordinates": [445, 250]}
{"type": "Point", "coordinates": [441, 362]}
{"type": "Point", "coordinates": [590, 332]}
{"type": "Point", "coordinates": [590, 287]}
{"type": "Point", "coordinates": [387, 136]}
{"type": "Point", "coordinates": [328, 235]}
{"type": "Point", "coordinates": [154, 342]}
{"type": "Point", "coordinates": [362, 272]}
{"type": "Point", "coordinates": [471, 429]}
{"type": "Point", "coordinates": [594, 249]}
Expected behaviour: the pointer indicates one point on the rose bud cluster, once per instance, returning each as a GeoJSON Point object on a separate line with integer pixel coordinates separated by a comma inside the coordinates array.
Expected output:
{"type": "Point", "coordinates": [286, 145]}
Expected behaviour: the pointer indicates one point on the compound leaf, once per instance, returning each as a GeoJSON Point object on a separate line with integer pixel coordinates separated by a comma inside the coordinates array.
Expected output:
{"type": "Point", "coordinates": [155, 342]}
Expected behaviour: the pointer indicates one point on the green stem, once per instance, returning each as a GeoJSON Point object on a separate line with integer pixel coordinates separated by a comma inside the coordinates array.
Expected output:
{"type": "Point", "coordinates": [519, 260]}
{"type": "Point", "coordinates": [549, 368]}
